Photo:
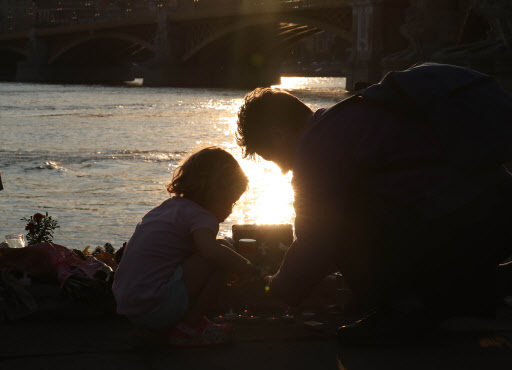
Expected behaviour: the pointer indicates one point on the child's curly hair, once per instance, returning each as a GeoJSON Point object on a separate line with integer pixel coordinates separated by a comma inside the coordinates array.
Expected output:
{"type": "Point", "coordinates": [208, 175]}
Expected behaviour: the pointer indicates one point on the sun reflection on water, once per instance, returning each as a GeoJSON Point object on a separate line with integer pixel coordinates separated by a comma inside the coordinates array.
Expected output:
{"type": "Point", "coordinates": [269, 199]}
{"type": "Point", "coordinates": [292, 83]}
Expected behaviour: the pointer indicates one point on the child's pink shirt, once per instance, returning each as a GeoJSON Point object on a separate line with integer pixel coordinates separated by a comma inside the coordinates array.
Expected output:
{"type": "Point", "coordinates": [161, 242]}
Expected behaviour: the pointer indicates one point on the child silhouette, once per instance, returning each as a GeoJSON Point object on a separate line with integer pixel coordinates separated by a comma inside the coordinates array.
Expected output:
{"type": "Point", "coordinates": [173, 266]}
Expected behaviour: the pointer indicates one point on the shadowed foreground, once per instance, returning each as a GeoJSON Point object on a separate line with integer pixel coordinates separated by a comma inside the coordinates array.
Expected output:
{"type": "Point", "coordinates": [73, 338]}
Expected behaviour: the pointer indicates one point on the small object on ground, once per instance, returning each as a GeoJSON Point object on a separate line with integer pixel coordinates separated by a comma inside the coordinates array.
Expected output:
{"type": "Point", "coordinates": [288, 318]}
{"type": "Point", "coordinates": [335, 309]}
{"type": "Point", "coordinates": [206, 333]}
{"type": "Point", "coordinates": [97, 250]}
{"type": "Point", "coordinates": [80, 254]}
{"type": "Point", "coordinates": [219, 318]}
{"type": "Point", "coordinates": [313, 324]}
{"type": "Point", "coordinates": [230, 315]}
{"type": "Point", "coordinates": [15, 240]}
{"type": "Point", "coordinates": [308, 314]}
{"type": "Point", "coordinates": [272, 320]}
{"type": "Point", "coordinates": [385, 326]}
{"type": "Point", "coordinates": [109, 248]}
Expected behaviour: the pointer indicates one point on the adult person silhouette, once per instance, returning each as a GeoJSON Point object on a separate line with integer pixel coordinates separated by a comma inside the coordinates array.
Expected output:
{"type": "Point", "coordinates": [401, 188]}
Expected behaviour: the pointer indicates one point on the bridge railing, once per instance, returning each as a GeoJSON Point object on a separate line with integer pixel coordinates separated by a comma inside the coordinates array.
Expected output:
{"type": "Point", "coordinates": [26, 17]}
{"type": "Point", "coordinates": [248, 4]}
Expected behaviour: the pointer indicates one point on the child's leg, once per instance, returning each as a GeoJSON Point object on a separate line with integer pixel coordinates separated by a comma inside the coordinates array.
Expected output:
{"type": "Point", "coordinates": [203, 283]}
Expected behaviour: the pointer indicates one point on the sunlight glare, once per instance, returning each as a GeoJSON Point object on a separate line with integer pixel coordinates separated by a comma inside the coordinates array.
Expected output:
{"type": "Point", "coordinates": [292, 83]}
{"type": "Point", "coordinates": [269, 199]}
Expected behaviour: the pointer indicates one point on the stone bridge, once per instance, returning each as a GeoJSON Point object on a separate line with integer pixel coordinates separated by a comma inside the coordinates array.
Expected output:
{"type": "Point", "coordinates": [207, 43]}
{"type": "Point", "coordinates": [241, 42]}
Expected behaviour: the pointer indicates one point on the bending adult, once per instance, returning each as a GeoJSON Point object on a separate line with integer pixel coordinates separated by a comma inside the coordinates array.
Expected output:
{"type": "Point", "coordinates": [382, 196]}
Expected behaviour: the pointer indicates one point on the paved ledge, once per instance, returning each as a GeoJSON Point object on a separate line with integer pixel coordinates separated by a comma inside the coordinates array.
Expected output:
{"type": "Point", "coordinates": [88, 341]}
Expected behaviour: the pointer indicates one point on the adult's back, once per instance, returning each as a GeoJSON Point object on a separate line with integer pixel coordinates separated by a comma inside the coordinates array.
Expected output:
{"type": "Point", "coordinates": [469, 111]}
{"type": "Point", "coordinates": [388, 187]}
{"type": "Point", "coordinates": [428, 193]}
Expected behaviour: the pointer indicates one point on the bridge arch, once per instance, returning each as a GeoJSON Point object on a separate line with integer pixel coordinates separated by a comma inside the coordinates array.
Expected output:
{"type": "Point", "coordinates": [14, 50]}
{"type": "Point", "coordinates": [232, 28]}
{"type": "Point", "coordinates": [91, 37]}
{"type": "Point", "coordinates": [10, 56]}
{"type": "Point", "coordinates": [345, 34]}
{"type": "Point", "coordinates": [225, 31]}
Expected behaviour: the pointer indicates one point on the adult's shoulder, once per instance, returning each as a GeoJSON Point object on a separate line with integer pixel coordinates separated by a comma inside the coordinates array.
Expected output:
{"type": "Point", "coordinates": [340, 108]}
{"type": "Point", "coordinates": [346, 138]}
{"type": "Point", "coordinates": [351, 113]}
{"type": "Point", "coordinates": [338, 127]}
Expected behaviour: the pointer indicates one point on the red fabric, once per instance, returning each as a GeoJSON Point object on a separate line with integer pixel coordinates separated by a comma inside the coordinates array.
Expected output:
{"type": "Point", "coordinates": [64, 261]}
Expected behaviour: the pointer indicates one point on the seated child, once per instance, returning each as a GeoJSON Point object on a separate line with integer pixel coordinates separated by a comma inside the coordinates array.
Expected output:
{"type": "Point", "coordinates": [173, 266]}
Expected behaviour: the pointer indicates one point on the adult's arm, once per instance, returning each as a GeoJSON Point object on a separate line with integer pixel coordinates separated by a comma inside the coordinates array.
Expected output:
{"type": "Point", "coordinates": [315, 252]}
{"type": "Point", "coordinates": [323, 173]}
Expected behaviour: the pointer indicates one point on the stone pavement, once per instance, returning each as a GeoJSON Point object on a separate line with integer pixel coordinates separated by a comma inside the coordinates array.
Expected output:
{"type": "Point", "coordinates": [85, 341]}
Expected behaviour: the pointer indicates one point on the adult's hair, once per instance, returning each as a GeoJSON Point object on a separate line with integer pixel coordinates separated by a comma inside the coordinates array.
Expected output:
{"type": "Point", "coordinates": [208, 175]}
{"type": "Point", "coordinates": [263, 108]}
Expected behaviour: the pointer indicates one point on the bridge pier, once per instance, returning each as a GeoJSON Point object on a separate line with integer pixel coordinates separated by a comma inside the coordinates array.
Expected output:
{"type": "Point", "coordinates": [8, 73]}
{"type": "Point", "coordinates": [35, 67]}
{"type": "Point", "coordinates": [376, 33]}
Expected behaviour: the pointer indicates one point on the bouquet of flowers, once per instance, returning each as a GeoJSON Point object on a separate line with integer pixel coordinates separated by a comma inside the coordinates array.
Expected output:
{"type": "Point", "coordinates": [40, 228]}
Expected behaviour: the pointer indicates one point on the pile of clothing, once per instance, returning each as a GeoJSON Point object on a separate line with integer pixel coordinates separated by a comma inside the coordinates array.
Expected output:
{"type": "Point", "coordinates": [82, 276]}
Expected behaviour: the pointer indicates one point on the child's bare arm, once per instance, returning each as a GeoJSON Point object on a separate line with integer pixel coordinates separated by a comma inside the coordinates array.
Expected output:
{"type": "Point", "coordinates": [221, 255]}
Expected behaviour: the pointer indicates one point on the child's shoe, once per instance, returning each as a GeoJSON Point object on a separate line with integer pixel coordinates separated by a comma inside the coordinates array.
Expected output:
{"type": "Point", "coordinates": [206, 333]}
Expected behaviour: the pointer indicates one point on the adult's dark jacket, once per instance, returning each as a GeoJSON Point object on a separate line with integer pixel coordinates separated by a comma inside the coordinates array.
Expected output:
{"type": "Point", "coordinates": [380, 198]}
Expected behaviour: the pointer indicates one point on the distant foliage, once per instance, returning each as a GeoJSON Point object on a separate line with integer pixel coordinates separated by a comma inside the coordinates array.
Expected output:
{"type": "Point", "coordinates": [40, 228]}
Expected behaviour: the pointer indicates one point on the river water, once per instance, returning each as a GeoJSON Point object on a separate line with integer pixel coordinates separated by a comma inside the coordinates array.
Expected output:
{"type": "Point", "coordinates": [97, 158]}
